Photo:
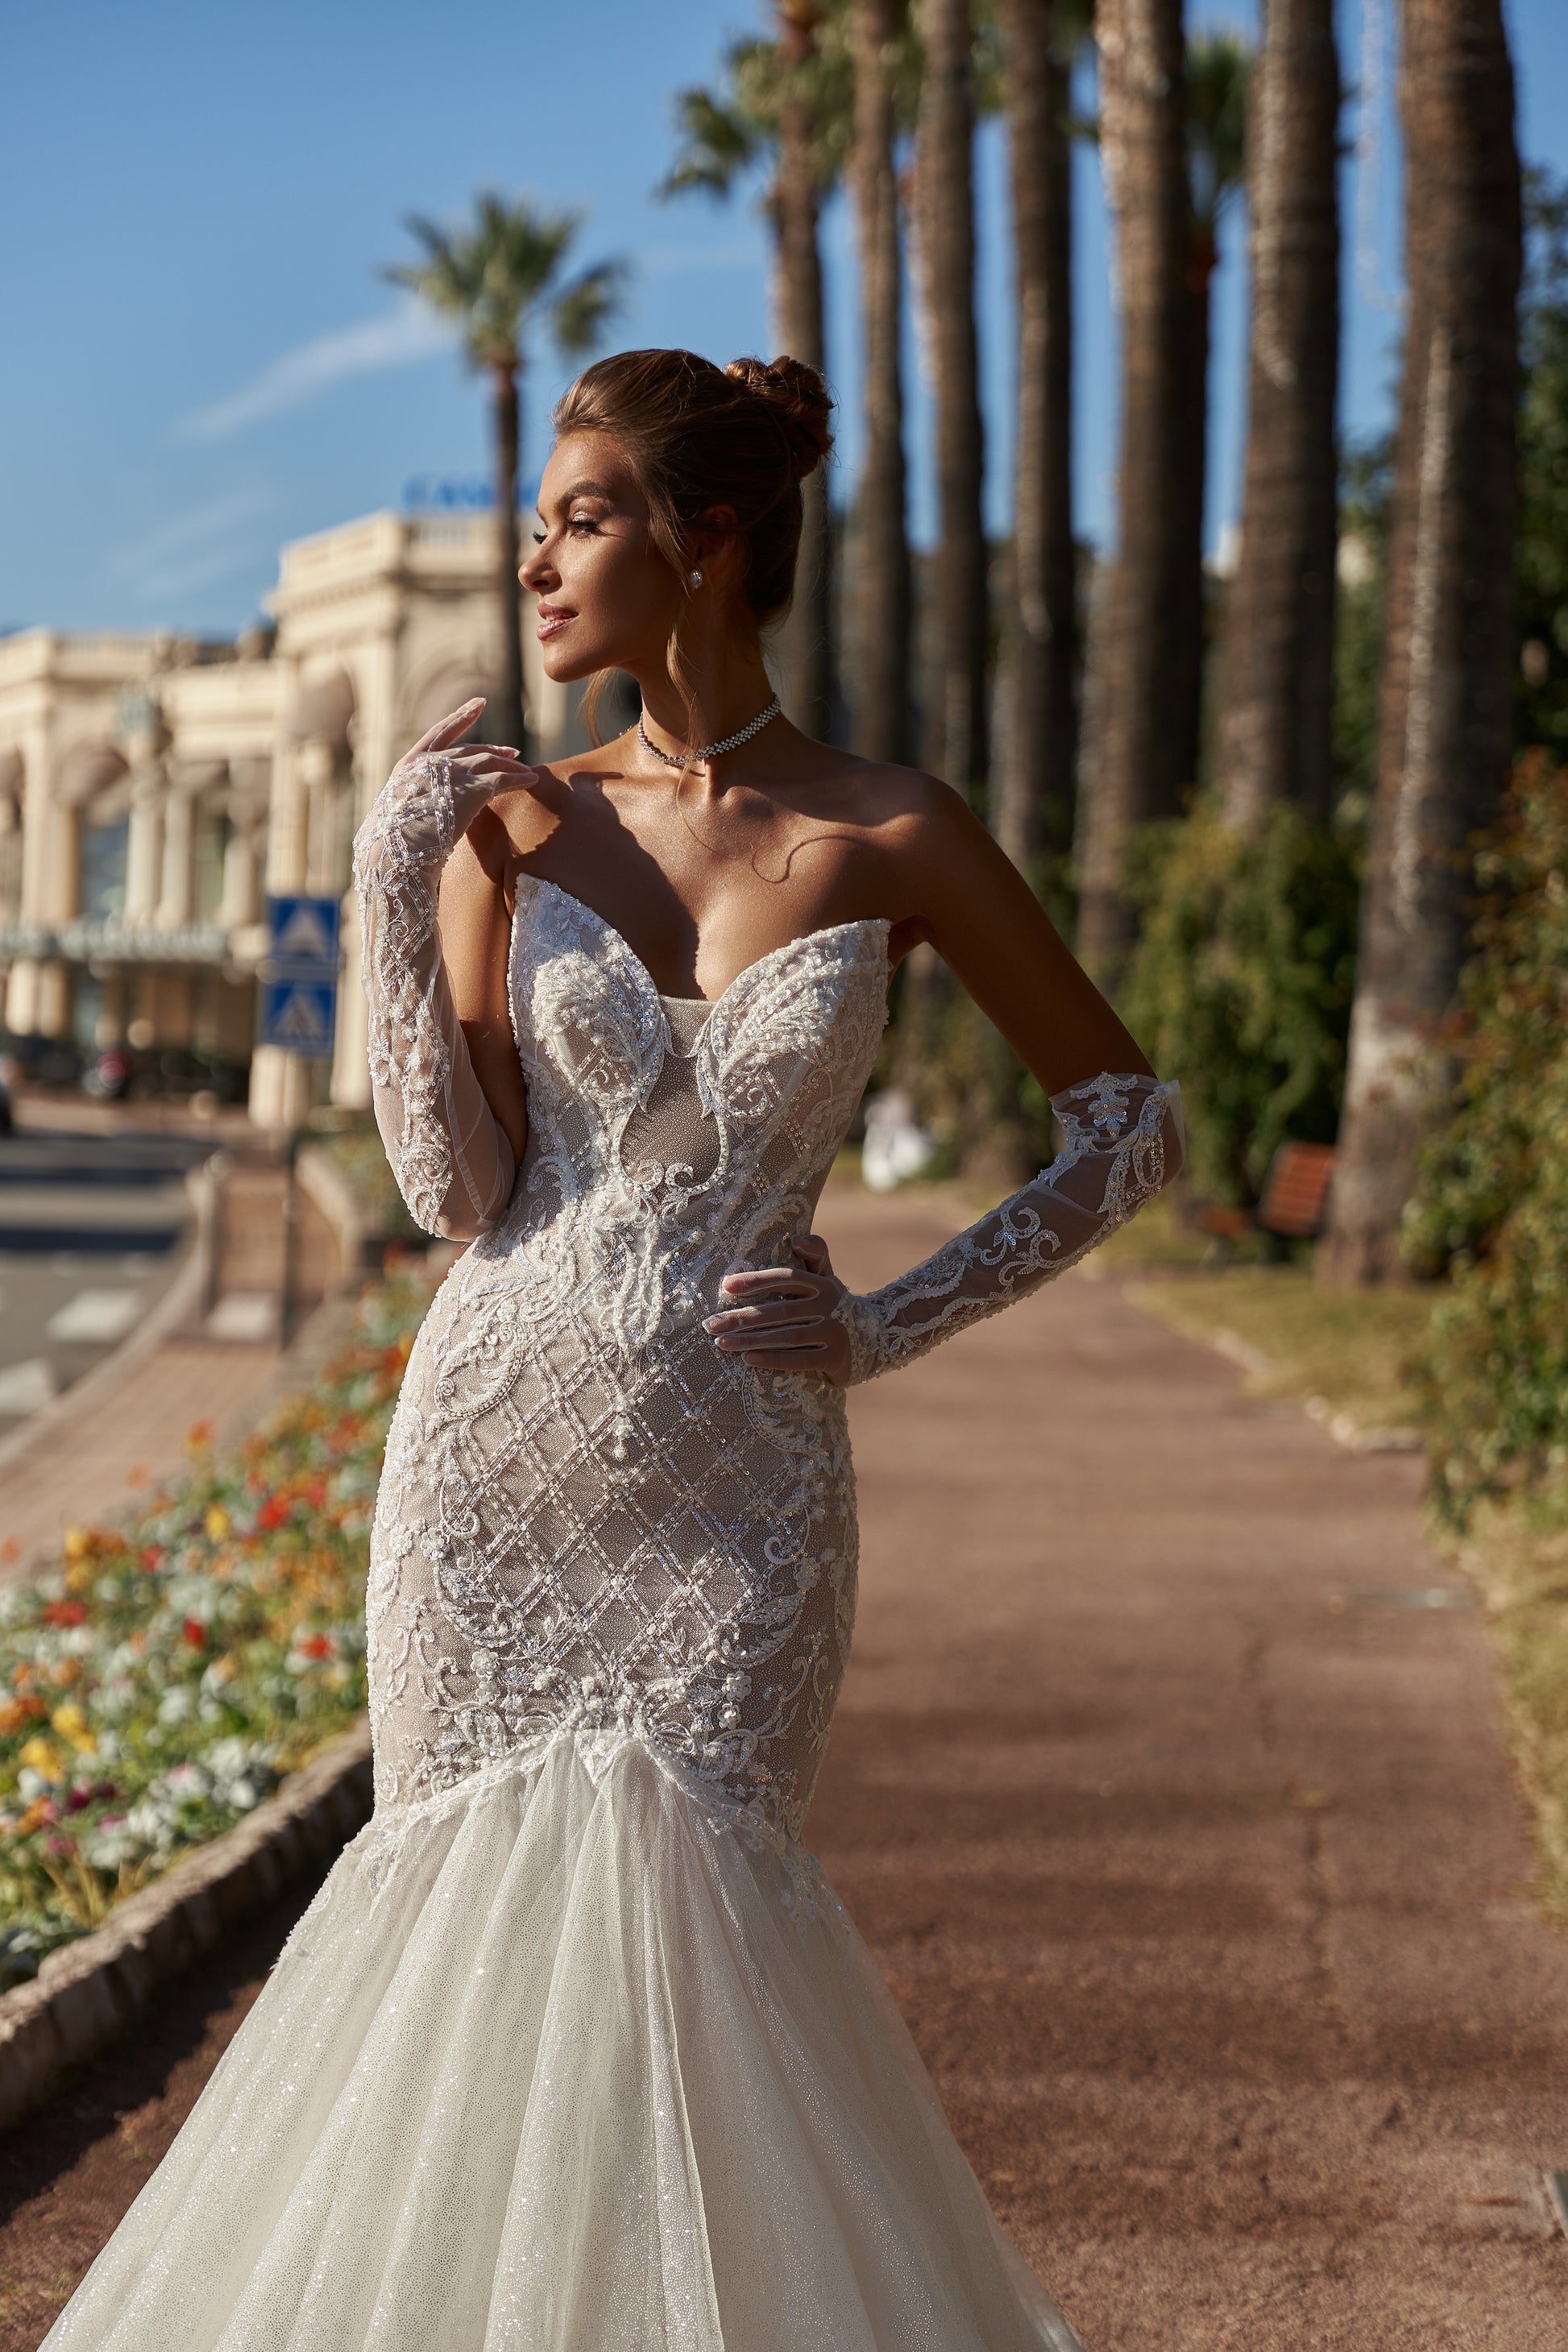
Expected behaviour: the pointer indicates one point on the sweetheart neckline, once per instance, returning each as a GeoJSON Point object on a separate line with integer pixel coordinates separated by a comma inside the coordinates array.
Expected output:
{"type": "Point", "coordinates": [786, 946]}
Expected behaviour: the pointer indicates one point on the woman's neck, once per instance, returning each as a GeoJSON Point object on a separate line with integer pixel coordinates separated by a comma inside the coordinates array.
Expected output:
{"type": "Point", "coordinates": [727, 692]}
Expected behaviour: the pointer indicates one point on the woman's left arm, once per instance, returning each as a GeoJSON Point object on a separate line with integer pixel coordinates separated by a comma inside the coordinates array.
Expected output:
{"type": "Point", "coordinates": [1121, 1131]}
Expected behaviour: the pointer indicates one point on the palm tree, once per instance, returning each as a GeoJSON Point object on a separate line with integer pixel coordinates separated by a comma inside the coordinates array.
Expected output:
{"type": "Point", "coordinates": [882, 602]}
{"type": "Point", "coordinates": [787, 100]}
{"type": "Point", "coordinates": [1135, 766]}
{"type": "Point", "coordinates": [1274, 733]}
{"type": "Point", "coordinates": [1218, 66]}
{"type": "Point", "coordinates": [498, 278]}
{"type": "Point", "coordinates": [944, 243]}
{"type": "Point", "coordinates": [1446, 708]}
{"type": "Point", "coordinates": [1035, 788]}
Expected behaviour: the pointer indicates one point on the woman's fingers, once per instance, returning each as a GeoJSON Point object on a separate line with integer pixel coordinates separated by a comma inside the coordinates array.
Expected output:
{"type": "Point", "coordinates": [446, 730]}
{"type": "Point", "coordinates": [811, 1252]}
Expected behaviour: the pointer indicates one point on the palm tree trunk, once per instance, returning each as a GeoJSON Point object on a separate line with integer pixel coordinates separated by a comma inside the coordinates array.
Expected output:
{"type": "Point", "coordinates": [880, 629]}
{"type": "Point", "coordinates": [1274, 731]}
{"type": "Point", "coordinates": [1445, 715]}
{"type": "Point", "coordinates": [804, 640]}
{"type": "Point", "coordinates": [1137, 768]}
{"type": "Point", "coordinates": [503, 718]}
{"type": "Point", "coordinates": [944, 227]}
{"type": "Point", "coordinates": [1035, 789]}
{"type": "Point", "coordinates": [1187, 630]}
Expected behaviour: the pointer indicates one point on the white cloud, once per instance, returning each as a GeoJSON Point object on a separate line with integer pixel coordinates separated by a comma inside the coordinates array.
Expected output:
{"type": "Point", "coordinates": [191, 549]}
{"type": "Point", "coordinates": [397, 338]}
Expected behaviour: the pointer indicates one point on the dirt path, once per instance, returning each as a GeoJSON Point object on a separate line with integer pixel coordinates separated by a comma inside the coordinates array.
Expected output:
{"type": "Point", "coordinates": [1202, 1882]}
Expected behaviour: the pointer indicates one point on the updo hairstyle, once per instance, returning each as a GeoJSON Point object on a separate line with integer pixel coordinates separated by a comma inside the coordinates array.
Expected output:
{"type": "Point", "coordinates": [699, 437]}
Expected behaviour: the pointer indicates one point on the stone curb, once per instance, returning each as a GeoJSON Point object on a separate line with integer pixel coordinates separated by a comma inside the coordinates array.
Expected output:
{"type": "Point", "coordinates": [89, 1994]}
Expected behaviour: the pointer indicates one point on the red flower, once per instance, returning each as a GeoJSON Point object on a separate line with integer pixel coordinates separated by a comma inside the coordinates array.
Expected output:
{"type": "Point", "coordinates": [196, 1632]}
{"type": "Point", "coordinates": [316, 1646]}
{"type": "Point", "coordinates": [273, 1512]}
{"type": "Point", "coordinates": [65, 1612]}
{"type": "Point", "coordinates": [153, 1557]}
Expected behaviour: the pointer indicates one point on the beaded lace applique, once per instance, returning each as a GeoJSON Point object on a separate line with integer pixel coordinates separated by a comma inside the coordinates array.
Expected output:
{"type": "Point", "coordinates": [592, 1522]}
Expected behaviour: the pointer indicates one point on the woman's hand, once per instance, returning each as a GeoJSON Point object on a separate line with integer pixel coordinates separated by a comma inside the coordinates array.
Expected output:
{"type": "Point", "coordinates": [492, 764]}
{"type": "Point", "coordinates": [782, 1320]}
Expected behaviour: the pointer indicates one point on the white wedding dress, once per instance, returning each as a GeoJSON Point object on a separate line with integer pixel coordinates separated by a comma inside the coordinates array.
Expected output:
{"type": "Point", "coordinates": [576, 2049]}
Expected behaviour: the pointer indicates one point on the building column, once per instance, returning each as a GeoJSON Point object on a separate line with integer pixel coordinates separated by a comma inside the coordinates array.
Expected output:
{"type": "Point", "coordinates": [241, 904]}
{"type": "Point", "coordinates": [177, 873]}
{"type": "Point", "coordinates": [145, 846]}
{"type": "Point", "coordinates": [280, 1082]}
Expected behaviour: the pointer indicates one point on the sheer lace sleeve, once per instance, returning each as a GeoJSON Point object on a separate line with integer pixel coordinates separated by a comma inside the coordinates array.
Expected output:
{"type": "Point", "coordinates": [453, 1164]}
{"type": "Point", "coordinates": [1122, 1142]}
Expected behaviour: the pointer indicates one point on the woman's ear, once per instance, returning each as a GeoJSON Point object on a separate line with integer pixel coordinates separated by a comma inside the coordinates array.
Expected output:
{"type": "Point", "coordinates": [714, 545]}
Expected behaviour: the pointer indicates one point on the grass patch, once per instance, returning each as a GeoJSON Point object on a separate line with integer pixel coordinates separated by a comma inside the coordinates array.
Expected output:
{"type": "Point", "coordinates": [1351, 1349]}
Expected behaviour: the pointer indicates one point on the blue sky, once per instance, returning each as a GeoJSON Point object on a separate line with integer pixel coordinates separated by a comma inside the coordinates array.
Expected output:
{"type": "Point", "coordinates": [205, 362]}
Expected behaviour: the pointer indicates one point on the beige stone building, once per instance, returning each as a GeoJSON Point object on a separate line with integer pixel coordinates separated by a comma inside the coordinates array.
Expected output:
{"type": "Point", "coordinates": [153, 788]}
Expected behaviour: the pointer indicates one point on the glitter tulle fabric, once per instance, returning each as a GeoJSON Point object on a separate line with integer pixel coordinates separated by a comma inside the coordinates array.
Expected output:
{"type": "Point", "coordinates": [577, 2051]}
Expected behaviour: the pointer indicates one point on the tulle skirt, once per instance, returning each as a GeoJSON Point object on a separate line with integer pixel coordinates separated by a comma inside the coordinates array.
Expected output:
{"type": "Point", "coordinates": [564, 2060]}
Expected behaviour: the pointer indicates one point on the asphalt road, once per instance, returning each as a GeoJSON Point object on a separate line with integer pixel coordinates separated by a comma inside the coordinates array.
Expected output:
{"type": "Point", "coordinates": [92, 1228]}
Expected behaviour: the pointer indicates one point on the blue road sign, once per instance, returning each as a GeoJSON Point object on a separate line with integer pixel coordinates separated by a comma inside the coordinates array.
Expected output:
{"type": "Point", "coordinates": [302, 936]}
{"type": "Point", "coordinates": [300, 1016]}
{"type": "Point", "coordinates": [300, 976]}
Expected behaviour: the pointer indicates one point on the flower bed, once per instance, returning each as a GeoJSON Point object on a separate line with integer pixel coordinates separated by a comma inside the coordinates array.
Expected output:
{"type": "Point", "coordinates": [160, 1680]}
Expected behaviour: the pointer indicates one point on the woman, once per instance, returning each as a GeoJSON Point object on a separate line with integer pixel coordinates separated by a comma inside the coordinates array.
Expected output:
{"type": "Point", "coordinates": [576, 2049]}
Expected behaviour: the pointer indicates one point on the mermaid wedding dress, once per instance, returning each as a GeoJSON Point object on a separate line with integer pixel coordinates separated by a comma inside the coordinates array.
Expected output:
{"type": "Point", "coordinates": [576, 2049]}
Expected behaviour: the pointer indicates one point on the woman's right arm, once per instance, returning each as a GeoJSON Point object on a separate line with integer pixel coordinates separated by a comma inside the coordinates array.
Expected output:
{"type": "Point", "coordinates": [453, 1162]}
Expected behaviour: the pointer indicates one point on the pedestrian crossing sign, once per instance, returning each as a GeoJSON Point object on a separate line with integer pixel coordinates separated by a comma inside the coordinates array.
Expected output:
{"type": "Point", "coordinates": [300, 976]}
{"type": "Point", "coordinates": [303, 932]}
{"type": "Point", "coordinates": [299, 1016]}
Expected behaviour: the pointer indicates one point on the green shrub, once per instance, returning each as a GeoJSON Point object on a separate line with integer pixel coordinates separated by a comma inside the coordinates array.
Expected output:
{"type": "Point", "coordinates": [1491, 1199]}
{"type": "Point", "coordinates": [1241, 986]}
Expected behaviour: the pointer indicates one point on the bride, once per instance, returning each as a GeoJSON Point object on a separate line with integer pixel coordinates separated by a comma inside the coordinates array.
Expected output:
{"type": "Point", "coordinates": [576, 2049]}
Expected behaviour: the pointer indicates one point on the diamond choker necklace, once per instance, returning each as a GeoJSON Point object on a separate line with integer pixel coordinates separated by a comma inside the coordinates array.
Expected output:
{"type": "Point", "coordinates": [709, 751]}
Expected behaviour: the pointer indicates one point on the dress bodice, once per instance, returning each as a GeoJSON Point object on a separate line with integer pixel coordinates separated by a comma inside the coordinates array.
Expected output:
{"type": "Point", "coordinates": [593, 1521]}
{"type": "Point", "coordinates": [671, 1142]}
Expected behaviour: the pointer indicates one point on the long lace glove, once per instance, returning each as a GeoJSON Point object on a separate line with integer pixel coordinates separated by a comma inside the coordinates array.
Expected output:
{"type": "Point", "coordinates": [1123, 1142]}
{"type": "Point", "coordinates": [453, 1164]}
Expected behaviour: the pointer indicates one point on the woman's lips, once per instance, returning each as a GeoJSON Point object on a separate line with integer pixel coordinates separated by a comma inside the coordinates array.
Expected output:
{"type": "Point", "coordinates": [552, 622]}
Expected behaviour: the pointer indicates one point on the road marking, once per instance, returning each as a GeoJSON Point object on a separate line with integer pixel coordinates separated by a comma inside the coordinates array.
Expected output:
{"type": "Point", "coordinates": [96, 1316]}
{"type": "Point", "coordinates": [29, 1387]}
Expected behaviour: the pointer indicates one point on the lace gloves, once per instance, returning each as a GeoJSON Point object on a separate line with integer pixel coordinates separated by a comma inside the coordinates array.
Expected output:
{"type": "Point", "coordinates": [453, 1164]}
{"type": "Point", "coordinates": [1124, 1140]}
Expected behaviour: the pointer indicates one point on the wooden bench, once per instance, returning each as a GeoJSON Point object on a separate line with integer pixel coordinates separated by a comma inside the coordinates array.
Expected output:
{"type": "Point", "coordinates": [1295, 1197]}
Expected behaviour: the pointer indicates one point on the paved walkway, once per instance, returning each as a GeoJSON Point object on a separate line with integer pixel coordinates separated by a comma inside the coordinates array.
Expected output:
{"type": "Point", "coordinates": [1202, 1882]}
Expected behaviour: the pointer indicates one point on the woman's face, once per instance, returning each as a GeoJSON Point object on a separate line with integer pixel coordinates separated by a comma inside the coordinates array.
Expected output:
{"type": "Point", "coordinates": [608, 598]}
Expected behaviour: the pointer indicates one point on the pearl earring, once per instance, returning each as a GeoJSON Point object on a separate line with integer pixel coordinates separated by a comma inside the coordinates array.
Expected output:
{"type": "Point", "coordinates": [697, 578]}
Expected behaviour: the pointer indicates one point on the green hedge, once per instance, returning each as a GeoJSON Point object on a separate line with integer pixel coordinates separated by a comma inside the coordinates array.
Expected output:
{"type": "Point", "coordinates": [1491, 1201]}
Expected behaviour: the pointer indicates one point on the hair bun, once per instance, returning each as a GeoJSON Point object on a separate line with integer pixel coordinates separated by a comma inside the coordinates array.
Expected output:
{"type": "Point", "coordinates": [801, 401]}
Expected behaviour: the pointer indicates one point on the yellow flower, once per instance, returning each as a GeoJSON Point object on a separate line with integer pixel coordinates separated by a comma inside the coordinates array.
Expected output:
{"type": "Point", "coordinates": [44, 1757]}
{"type": "Point", "coordinates": [79, 1542]}
{"type": "Point", "coordinates": [71, 1723]}
{"type": "Point", "coordinates": [217, 1522]}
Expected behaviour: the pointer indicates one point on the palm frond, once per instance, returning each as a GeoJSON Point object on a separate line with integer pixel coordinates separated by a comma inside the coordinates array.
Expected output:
{"type": "Point", "coordinates": [496, 272]}
{"type": "Point", "coordinates": [1219, 73]}
{"type": "Point", "coordinates": [584, 308]}
{"type": "Point", "coordinates": [718, 143]}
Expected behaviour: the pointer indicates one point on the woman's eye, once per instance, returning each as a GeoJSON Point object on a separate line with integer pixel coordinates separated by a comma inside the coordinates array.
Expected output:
{"type": "Point", "coordinates": [539, 538]}
{"type": "Point", "coordinates": [583, 522]}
